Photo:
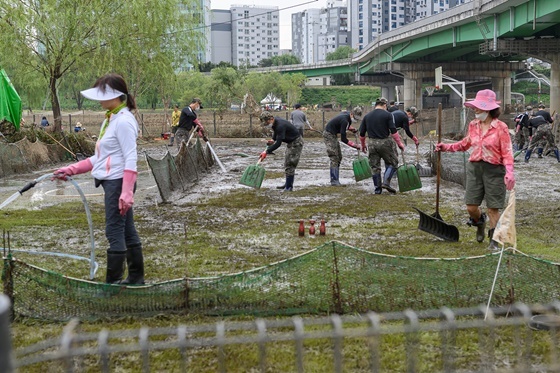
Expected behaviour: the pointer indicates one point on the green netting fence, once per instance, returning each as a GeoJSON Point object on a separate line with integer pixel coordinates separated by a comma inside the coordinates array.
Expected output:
{"type": "Point", "coordinates": [333, 278]}
{"type": "Point", "coordinates": [175, 173]}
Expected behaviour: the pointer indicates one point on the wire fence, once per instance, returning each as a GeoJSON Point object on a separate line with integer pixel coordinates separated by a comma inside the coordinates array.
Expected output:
{"type": "Point", "coordinates": [519, 338]}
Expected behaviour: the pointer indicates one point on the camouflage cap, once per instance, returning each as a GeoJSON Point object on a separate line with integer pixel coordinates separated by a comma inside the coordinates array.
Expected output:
{"type": "Point", "coordinates": [265, 115]}
{"type": "Point", "coordinates": [412, 110]}
{"type": "Point", "coordinates": [357, 113]}
{"type": "Point", "coordinates": [529, 107]}
{"type": "Point", "coordinates": [381, 101]}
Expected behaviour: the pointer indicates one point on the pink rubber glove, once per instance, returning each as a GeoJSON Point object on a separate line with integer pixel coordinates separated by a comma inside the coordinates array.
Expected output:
{"type": "Point", "coordinates": [354, 145]}
{"type": "Point", "coordinates": [352, 129]}
{"type": "Point", "coordinates": [415, 139]}
{"type": "Point", "coordinates": [397, 139]}
{"type": "Point", "coordinates": [74, 169]}
{"type": "Point", "coordinates": [127, 193]}
{"type": "Point", "coordinates": [363, 143]}
{"type": "Point", "coordinates": [441, 147]}
{"type": "Point", "coordinates": [263, 155]}
{"type": "Point", "coordinates": [270, 142]}
{"type": "Point", "coordinates": [509, 179]}
{"type": "Point", "coordinates": [198, 124]}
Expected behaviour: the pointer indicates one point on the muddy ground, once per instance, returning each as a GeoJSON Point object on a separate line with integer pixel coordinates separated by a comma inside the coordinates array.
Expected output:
{"type": "Point", "coordinates": [240, 227]}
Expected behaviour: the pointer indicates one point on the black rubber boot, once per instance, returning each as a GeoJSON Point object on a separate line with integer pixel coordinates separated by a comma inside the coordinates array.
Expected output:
{"type": "Point", "coordinates": [528, 155]}
{"type": "Point", "coordinates": [135, 264]}
{"type": "Point", "coordinates": [115, 266]}
{"type": "Point", "coordinates": [334, 176]}
{"type": "Point", "coordinates": [539, 152]}
{"type": "Point", "coordinates": [281, 186]}
{"type": "Point", "coordinates": [480, 225]}
{"type": "Point", "coordinates": [389, 172]}
{"type": "Point", "coordinates": [493, 244]}
{"type": "Point", "coordinates": [557, 155]}
{"type": "Point", "coordinates": [289, 183]}
{"type": "Point", "coordinates": [377, 183]}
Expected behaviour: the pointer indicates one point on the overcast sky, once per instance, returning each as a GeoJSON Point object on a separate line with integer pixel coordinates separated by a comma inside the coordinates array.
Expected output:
{"type": "Point", "coordinates": [286, 8]}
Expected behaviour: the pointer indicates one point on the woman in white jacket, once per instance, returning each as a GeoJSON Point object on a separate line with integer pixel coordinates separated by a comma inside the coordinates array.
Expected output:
{"type": "Point", "coordinates": [114, 168]}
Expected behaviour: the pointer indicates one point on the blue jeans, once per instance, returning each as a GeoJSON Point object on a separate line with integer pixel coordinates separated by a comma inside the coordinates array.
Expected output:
{"type": "Point", "coordinates": [119, 230]}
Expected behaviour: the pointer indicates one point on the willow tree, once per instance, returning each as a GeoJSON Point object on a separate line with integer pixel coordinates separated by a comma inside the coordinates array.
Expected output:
{"type": "Point", "coordinates": [135, 38]}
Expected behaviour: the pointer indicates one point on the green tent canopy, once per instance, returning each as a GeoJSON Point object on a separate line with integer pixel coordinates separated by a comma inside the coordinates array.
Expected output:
{"type": "Point", "coordinates": [10, 102]}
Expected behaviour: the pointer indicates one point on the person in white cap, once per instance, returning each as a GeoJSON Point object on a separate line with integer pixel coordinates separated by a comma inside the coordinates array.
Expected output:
{"type": "Point", "coordinates": [114, 168]}
{"type": "Point", "coordinates": [490, 166]}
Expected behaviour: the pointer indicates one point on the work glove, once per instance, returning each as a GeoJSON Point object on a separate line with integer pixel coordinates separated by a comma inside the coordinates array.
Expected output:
{"type": "Point", "coordinates": [354, 145]}
{"type": "Point", "coordinates": [262, 156]}
{"type": "Point", "coordinates": [198, 124]}
{"type": "Point", "coordinates": [126, 198]}
{"type": "Point", "coordinates": [363, 143]}
{"type": "Point", "coordinates": [352, 129]}
{"type": "Point", "coordinates": [441, 147]}
{"type": "Point", "coordinates": [415, 139]}
{"type": "Point", "coordinates": [270, 142]}
{"type": "Point", "coordinates": [509, 179]}
{"type": "Point", "coordinates": [397, 139]}
{"type": "Point", "coordinates": [411, 121]}
{"type": "Point", "coordinates": [74, 169]}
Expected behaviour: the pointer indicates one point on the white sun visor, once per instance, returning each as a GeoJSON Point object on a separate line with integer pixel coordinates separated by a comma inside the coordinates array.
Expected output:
{"type": "Point", "coordinates": [97, 95]}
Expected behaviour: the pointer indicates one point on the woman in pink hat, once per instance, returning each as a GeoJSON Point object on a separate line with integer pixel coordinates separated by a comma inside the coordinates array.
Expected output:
{"type": "Point", "coordinates": [114, 168]}
{"type": "Point", "coordinates": [490, 166]}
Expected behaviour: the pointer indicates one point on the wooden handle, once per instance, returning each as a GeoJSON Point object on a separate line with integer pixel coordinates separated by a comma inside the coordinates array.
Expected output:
{"type": "Point", "coordinates": [438, 165]}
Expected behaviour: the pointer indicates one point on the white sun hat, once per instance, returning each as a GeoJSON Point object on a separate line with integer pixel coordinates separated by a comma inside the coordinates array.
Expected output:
{"type": "Point", "coordinates": [97, 95]}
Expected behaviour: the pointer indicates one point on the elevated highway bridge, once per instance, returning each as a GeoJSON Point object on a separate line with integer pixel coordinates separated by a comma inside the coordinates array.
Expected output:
{"type": "Point", "coordinates": [483, 41]}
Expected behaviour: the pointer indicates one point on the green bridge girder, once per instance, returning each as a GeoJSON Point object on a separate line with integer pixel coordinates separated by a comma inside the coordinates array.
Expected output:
{"type": "Point", "coordinates": [457, 42]}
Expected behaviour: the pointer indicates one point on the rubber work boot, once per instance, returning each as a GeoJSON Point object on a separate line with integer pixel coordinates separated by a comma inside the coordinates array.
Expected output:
{"type": "Point", "coordinates": [115, 266]}
{"type": "Point", "coordinates": [480, 225]}
{"type": "Point", "coordinates": [539, 152]}
{"type": "Point", "coordinates": [377, 183]}
{"type": "Point", "coordinates": [493, 244]}
{"type": "Point", "coordinates": [281, 186]}
{"type": "Point", "coordinates": [334, 176]}
{"type": "Point", "coordinates": [557, 155]}
{"type": "Point", "coordinates": [289, 183]}
{"type": "Point", "coordinates": [528, 155]}
{"type": "Point", "coordinates": [389, 172]}
{"type": "Point", "coordinates": [135, 264]}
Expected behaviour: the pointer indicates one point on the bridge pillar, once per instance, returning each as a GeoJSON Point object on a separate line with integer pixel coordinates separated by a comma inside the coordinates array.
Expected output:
{"type": "Point", "coordinates": [554, 84]}
{"type": "Point", "coordinates": [413, 89]}
{"type": "Point", "coordinates": [502, 87]}
{"type": "Point", "coordinates": [388, 91]}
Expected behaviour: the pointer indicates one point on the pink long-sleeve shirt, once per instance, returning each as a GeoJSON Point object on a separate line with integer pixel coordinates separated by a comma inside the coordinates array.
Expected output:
{"type": "Point", "coordinates": [493, 147]}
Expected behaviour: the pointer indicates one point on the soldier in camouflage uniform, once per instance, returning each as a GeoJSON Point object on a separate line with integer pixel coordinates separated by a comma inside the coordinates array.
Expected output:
{"type": "Point", "coordinates": [380, 127]}
{"type": "Point", "coordinates": [542, 131]}
{"type": "Point", "coordinates": [522, 128]}
{"type": "Point", "coordinates": [339, 124]}
{"type": "Point", "coordinates": [283, 131]}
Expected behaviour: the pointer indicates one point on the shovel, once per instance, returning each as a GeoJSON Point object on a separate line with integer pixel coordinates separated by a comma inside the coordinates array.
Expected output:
{"type": "Point", "coordinates": [361, 167]}
{"type": "Point", "coordinates": [434, 224]}
{"type": "Point", "coordinates": [407, 175]}
{"type": "Point", "coordinates": [253, 176]}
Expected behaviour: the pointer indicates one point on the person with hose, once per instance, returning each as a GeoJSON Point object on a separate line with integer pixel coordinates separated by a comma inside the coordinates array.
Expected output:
{"type": "Point", "coordinates": [114, 167]}
{"type": "Point", "coordinates": [340, 125]}
{"type": "Point", "coordinates": [382, 135]}
{"type": "Point", "coordinates": [187, 120]}
{"type": "Point", "coordinates": [490, 166]}
{"type": "Point", "coordinates": [283, 131]}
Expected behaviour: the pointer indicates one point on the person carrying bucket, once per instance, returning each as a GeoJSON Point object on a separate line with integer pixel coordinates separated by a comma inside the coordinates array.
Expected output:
{"type": "Point", "coordinates": [490, 167]}
{"type": "Point", "coordinates": [340, 124]}
{"type": "Point", "coordinates": [382, 136]}
{"type": "Point", "coordinates": [283, 131]}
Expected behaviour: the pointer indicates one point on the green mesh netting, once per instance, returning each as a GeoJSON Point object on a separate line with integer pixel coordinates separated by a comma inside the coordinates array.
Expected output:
{"type": "Point", "coordinates": [331, 278]}
{"type": "Point", "coordinates": [178, 172]}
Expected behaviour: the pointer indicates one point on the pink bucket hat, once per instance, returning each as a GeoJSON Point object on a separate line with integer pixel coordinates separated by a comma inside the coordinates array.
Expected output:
{"type": "Point", "coordinates": [485, 100]}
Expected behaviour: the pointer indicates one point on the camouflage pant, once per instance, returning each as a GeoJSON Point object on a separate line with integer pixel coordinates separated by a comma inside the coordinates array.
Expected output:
{"type": "Point", "coordinates": [544, 132]}
{"type": "Point", "coordinates": [291, 159]}
{"type": "Point", "coordinates": [333, 149]}
{"type": "Point", "coordinates": [382, 148]}
{"type": "Point", "coordinates": [181, 135]}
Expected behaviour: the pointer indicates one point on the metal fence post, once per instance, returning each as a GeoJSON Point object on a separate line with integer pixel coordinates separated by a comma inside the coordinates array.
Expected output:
{"type": "Point", "coordinates": [6, 362]}
{"type": "Point", "coordinates": [323, 120]}
{"type": "Point", "coordinates": [250, 125]}
{"type": "Point", "coordinates": [214, 117]}
{"type": "Point", "coordinates": [70, 122]}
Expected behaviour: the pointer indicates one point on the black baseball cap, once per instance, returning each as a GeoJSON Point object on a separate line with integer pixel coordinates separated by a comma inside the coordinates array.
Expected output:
{"type": "Point", "coordinates": [197, 101]}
